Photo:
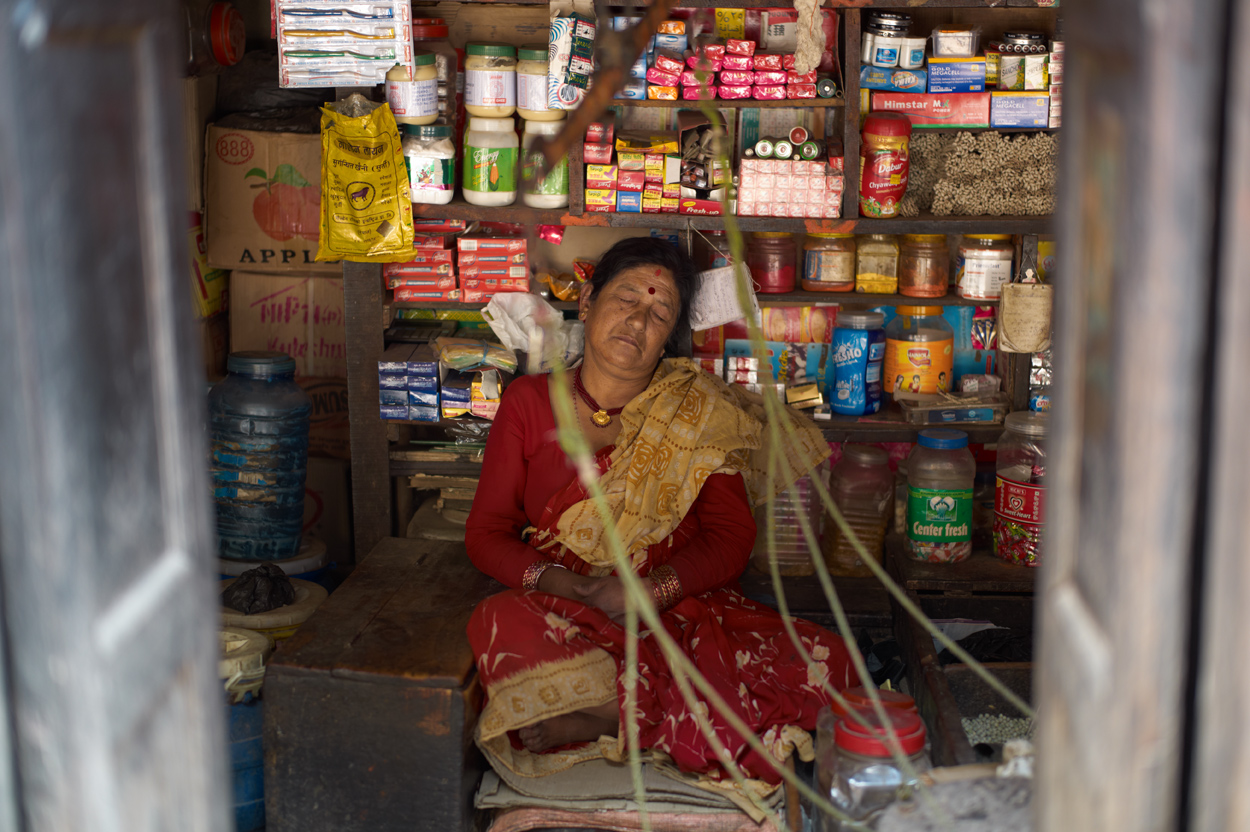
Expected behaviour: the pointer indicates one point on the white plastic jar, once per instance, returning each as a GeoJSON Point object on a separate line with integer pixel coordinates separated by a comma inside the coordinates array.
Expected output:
{"type": "Point", "coordinates": [414, 97]}
{"type": "Point", "coordinates": [431, 160]}
{"type": "Point", "coordinates": [985, 262]}
{"type": "Point", "coordinates": [490, 161]}
{"type": "Point", "coordinates": [531, 85]}
{"type": "Point", "coordinates": [552, 190]}
{"type": "Point", "coordinates": [490, 80]}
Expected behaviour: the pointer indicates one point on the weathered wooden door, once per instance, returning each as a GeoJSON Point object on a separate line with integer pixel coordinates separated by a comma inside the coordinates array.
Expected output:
{"type": "Point", "coordinates": [1144, 151]}
{"type": "Point", "coordinates": [109, 716]}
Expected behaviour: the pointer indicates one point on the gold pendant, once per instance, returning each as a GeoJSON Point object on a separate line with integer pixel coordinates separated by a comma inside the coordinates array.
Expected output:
{"type": "Point", "coordinates": [601, 418]}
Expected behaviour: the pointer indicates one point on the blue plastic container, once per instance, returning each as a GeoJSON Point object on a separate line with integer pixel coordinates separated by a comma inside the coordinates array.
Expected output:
{"type": "Point", "coordinates": [247, 764]}
{"type": "Point", "coordinates": [258, 422]}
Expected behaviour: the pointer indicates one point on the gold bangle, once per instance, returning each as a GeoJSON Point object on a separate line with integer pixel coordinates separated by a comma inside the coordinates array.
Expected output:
{"type": "Point", "coordinates": [666, 586]}
{"type": "Point", "coordinates": [529, 580]}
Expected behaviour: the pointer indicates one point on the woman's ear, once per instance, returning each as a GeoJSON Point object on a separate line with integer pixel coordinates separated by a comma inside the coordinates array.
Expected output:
{"type": "Point", "coordinates": [583, 302]}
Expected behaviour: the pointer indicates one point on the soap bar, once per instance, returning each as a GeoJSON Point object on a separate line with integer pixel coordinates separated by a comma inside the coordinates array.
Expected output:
{"type": "Point", "coordinates": [768, 93]}
{"type": "Point", "coordinates": [771, 79]}
{"type": "Point", "coordinates": [729, 93]}
{"type": "Point", "coordinates": [767, 61]}
{"type": "Point", "coordinates": [697, 93]}
{"type": "Point", "coordinates": [659, 77]}
{"type": "Point", "coordinates": [800, 91]}
{"type": "Point", "coordinates": [738, 63]}
{"type": "Point", "coordinates": [734, 46]}
{"type": "Point", "coordinates": [737, 79]}
{"type": "Point", "coordinates": [662, 93]}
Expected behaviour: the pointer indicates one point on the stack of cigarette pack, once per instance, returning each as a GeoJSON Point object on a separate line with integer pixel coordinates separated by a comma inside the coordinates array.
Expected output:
{"type": "Point", "coordinates": [408, 388]}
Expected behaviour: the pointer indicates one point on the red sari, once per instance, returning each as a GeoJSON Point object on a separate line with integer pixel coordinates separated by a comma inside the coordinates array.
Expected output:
{"type": "Point", "coordinates": [540, 655]}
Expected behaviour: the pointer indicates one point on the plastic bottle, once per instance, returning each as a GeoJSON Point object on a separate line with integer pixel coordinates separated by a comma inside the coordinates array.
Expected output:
{"type": "Point", "coordinates": [858, 354]}
{"type": "Point", "coordinates": [258, 421]}
{"type": "Point", "coordinates": [940, 476]}
{"type": "Point", "coordinates": [862, 487]}
{"type": "Point", "coordinates": [883, 163]}
{"type": "Point", "coordinates": [1019, 489]}
{"type": "Point", "coordinates": [919, 351]}
{"type": "Point", "coordinates": [431, 160]}
{"type": "Point", "coordinates": [543, 190]}
{"type": "Point", "coordinates": [215, 36]}
{"type": "Point", "coordinates": [490, 80]}
{"type": "Point", "coordinates": [413, 97]}
{"type": "Point", "coordinates": [771, 259]}
{"type": "Point", "coordinates": [491, 153]}
{"type": "Point", "coordinates": [531, 84]}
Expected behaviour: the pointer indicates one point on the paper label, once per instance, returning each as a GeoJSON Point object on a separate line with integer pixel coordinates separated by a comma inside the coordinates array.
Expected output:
{"type": "Point", "coordinates": [731, 23]}
{"type": "Point", "coordinates": [555, 183]}
{"type": "Point", "coordinates": [1019, 502]}
{"type": "Point", "coordinates": [716, 300]}
{"type": "Point", "coordinates": [919, 366]}
{"type": "Point", "coordinates": [939, 515]}
{"type": "Point", "coordinates": [412, 99]}
{"type": "Point", "coordinates": [983, 279]}
{"type": "Point", "coordinates": [836, 267]}
{"type": "Point", "coordinates": [490, 88]}
{"type": "Point", "coordinates": [531, 92]}
{"type": "Point", "coordinates": [426, 173]}
{"type": "Point", "coordinates": [490, 169]}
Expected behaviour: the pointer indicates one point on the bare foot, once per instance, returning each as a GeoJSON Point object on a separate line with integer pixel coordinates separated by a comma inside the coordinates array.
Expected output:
{"type": "Point", "coordinates": [567, 728]}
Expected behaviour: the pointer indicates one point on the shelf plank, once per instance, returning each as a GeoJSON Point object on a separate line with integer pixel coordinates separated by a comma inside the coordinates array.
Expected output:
{"type": "Point", "coordinates": [980, 573]}
{"type": "Point", "coordinates": [862, 299]}
{"type": "Point", "coordinates": [738, 104]}
{"type": "Point", "coordinates": [852, 429]}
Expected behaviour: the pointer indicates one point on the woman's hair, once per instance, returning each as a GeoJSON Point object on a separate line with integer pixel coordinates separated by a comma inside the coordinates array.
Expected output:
{"type": "Point", "coordinates": [648, 251]}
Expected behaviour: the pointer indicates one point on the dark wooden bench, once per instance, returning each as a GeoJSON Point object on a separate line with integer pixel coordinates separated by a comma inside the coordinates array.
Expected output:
{"type": "Point", "coordinates": [370, 707]}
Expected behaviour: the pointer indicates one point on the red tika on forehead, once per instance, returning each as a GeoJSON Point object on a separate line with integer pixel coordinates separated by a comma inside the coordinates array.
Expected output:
{"type": "Point", "coordinates": [651, 290]}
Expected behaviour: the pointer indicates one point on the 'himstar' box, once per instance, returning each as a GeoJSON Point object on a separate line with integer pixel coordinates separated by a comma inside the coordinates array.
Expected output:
{"type": "Point", "coordinates": [948, 75]}
{"type": "Point", "coordinates": [1019, 109]}
{"type": "Point", "coordinates": [892, 80]}
{"type": "Point", "coordinates": [969, 109]}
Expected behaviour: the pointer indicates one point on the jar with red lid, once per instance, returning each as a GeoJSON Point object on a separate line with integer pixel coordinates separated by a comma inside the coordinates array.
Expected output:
{"type": "Point", "coordinates": [771, 259]}
{"type": "Point", "coordinates": [858, 697]}
{"type": "Point", "coordinates": [924, 266]}
{"type": "Point", "coordinates": [883, 163]}
{"type": "Point", "coordinates": [215, 34]}
{"type": "Point", "coordinates": [431, 35]}
{"type": "Point", "coordinates": [856, 768]}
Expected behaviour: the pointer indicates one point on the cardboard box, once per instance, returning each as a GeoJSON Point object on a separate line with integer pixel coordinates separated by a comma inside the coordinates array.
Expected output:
{"type": "Point", "coordinates": [947, 75]}
{"type": "Point", "coordinates": [1023, 72]}
{"type": "Point", "coordinates": [301, 315]}
{"type": "Point", "coordinates": [600, 200]}
{"type": "Point", "coordinates": [970, 109]}
{"type": "Point", "coordinates": [273, 227]}
{"type": "Point", "coordinates": [209, 285]}
{"type": "Point", "coordinates": [629, 202]}
{"type": "Point", "coordinates": [328, 428]}
{"type": "Point", "coordinates": [497, 245]}
{"type": "Point", "coordinates": [215, 345]}
{"type": "Point", "coordinates": [1019, 109]}
{"type": "Point", "coordinates": [199, 98]}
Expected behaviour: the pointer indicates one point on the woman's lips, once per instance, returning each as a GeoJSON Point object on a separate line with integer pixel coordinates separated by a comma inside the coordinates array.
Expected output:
{"type": "Point", "coordinates": [627, 340]}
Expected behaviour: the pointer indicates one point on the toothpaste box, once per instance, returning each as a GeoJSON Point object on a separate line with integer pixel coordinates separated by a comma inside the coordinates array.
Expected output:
{"type": "Point", "coordinates": [893, 80]}
{"type": "Point", "coordinates": [1019, 109]}
{"type": "Point", "coordinates": [969, 109]}
{"type": "Point", "coordinates": [629, 202]}
{"type": "Point", "coordinates": [495, 244]}
{"type": "Point", "coordinates": [948, 75]}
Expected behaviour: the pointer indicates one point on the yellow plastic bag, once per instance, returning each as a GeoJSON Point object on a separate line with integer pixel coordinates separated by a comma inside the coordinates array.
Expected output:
{"type": "Point", "coordinates": [366, 211]}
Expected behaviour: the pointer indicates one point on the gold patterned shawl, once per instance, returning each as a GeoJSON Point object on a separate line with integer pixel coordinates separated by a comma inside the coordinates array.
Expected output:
{"type": "Point", "coordinates": [686, 425]}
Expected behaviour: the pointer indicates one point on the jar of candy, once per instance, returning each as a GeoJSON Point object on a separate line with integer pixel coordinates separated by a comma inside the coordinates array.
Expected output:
{"type": "Point", "coordinates": [857, 770]}
{"type": "Point", "coordinates": [829, 263]}
{"type": "Point", "coordinates": [862, 487]}
{"type": "Point", "coordinates": [984, 265]}
{"type": "Point", "coordinates": [919, 351]}
{"type": "Point", "coordinates": [941, 472]}
{"type": "Point", "coordinates": [771, 258]}
{"type": "Point", "coordinates": [924, 266]}
{"type": "Point", "coordinates": [1019, 489]}
{"type": "Point", "coordinates": [876, 264]}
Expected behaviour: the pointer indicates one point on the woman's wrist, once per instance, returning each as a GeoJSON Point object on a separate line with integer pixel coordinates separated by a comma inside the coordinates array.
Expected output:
{"type": "Point", "coordinates": [665, 587]}
{"type": "Point", "coordinates": [534, 574]}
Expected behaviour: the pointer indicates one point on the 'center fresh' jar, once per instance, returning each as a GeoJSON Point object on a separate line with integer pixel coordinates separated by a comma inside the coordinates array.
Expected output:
{"type": "Point", "coordinates": [414, 100]}
{"type": "Point", "coordinates": [531, 85]}
{"type": "Point", "coordinates": [431, 160]}
{"type": "Point", "coordinates": [490, 80]}
{"type": "Point", "coordinates": [940, 476]}
{"type": "Point", "coordinates": [543, 189]}
{"type": "Point", "coordinates": [490, 161]}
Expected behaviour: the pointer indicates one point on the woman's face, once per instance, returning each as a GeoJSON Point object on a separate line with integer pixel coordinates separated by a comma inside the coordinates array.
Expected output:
{"type": "Point", "coordinates": [629, 320]}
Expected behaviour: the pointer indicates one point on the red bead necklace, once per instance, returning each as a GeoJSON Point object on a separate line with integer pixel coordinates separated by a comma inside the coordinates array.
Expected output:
{"type": "Point", "coordinates": [598, 415]}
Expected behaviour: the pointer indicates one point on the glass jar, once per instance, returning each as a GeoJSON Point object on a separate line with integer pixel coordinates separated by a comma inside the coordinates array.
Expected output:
{"type": "Point", "coordinates": [829, 263]}
{"type": "Point", "coordinates": [543, 188]}
{"type": "Point", "coordinates": [900, 498]}
{"type": "Point", "coordinates": [919, 352]}
{"type": "Point", "coordinates": [430, 34]}
{"type": "Point", "coordinates": [858, 353]}
{"type": "Point", "coordinates": [490, 161]}
{"type": "Point", "coordinates": [1019, 489]}
{"type": "Point", "coordinates": [940, 476]}
{"type": "Point", "coordinates": [431, 160]}
{"type": "Point", "coordinates": [862, 487]}
{"type": "Point", "coordinates": [984, 265]}
{"type": "Point", "coordinates": [711, 250]}
{"type": "Point", "coordinates": [924, 266]}
{"type": "Point", "coordinates": [876, 264]}
{"type": "Point", "coordinates": [857, 770]}
{"type": "Point", "coordinates": [413, 96]}
{"type": "Point", "coordinates": [884, 163]}
{"type": "Point", "coordinates": [490, 80]}
{"type": "Point", "coordinates": [531, 85]}
{"type": "Point", "coordinates": [214, 34]}
{"type": "Point", "coordinates": [258, 422]}
{"type": "Point", "coordinates": [771, 259]}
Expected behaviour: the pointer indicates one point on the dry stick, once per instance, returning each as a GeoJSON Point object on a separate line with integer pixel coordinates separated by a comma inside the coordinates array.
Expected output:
{"type": "Point", "coordinates": [575, 446]}
{"type": "Point", "coordinates": [631, 711]}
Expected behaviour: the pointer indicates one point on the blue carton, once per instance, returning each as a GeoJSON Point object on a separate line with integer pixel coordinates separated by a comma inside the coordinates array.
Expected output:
{"type": "Point", "coordinates": [426, 398]}
{"type": "Point", "coordinates": [389, 381]}
{"type": "Point", "coordinates": [422, 383]}
{"type": "Point", "coordinates": [395, 359]}
{"type": "Point", "coordinates": [423, 362]}
{"type": "Point", "coordinates": [1019, 109]}
{"type": "Point", "coordinates": [956, 75]}
{"type": "Point", "coordinates": [892, 80]}
{"type": "Point", "coordinates": [394, 411]}
{"type": "Point", "coordinates": [417, 413]}
{"type": "Point", "coordinates": [629, 202]}
{"type": "Point", "coordinates": [393, 397]}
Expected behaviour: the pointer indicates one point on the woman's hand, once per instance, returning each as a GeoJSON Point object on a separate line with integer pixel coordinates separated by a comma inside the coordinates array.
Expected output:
{"type": "Point", "coordinates": [606, 593]}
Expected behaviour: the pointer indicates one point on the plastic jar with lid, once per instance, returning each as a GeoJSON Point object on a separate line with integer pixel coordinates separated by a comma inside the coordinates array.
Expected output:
{"type": "Point", "coordinates": [531, 85]}
{"type": "Point", "coordinates": [1019, 489]}
{"type": "Point", "coordinates": [829, 263]}
{"type": "Point", "coordinates": [984, 265]}
{"type": "Point", "coordinates": [414, 96]}
{"type": "Point", "coordinates": [862, 487]}
{"type": "Point", "coordinates": [491, 152]}
{"type": "Point", "coordinates": [856, 768]}
{"type": "Point", "coordinates": [876, 264]}
{"type": "Point", "coordinates": [215, 36]}
{"type": "Point", "coordinates": [770, 257]}
{"type": "Point", "coordinates": [857, 697]}
{"type": "Point", "coordinates": [711, 250]}
{"type": "Point", "coordinates": [884, 163]}
{"type": "Point", "coordinates": [919, 351]}
{"type": "Point", "coordinates": [941, 472]}
{"type": "Point", "coordinates": [430, 34]}
{"type": "Point", "coordinates": [431, 160]}
{"type": "Point", "coordinates": [490, 80]}
{"type": "Point", "coordinates": [543, 188]}
{"type": "Point", "coordinates": [924, 266]}
{"type": "Point", "coordinates": [858, 351]}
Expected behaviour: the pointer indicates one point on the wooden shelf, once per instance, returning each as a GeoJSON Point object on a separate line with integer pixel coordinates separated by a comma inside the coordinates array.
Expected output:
{"type": "Point", "coordinates": [562, 305]}
{"type": "Point", "coordinates": [889, 426]}
{"type": "Point", "coordinates": [801, 298]}
{"type": "Point", "coordinates": [736, 103]}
